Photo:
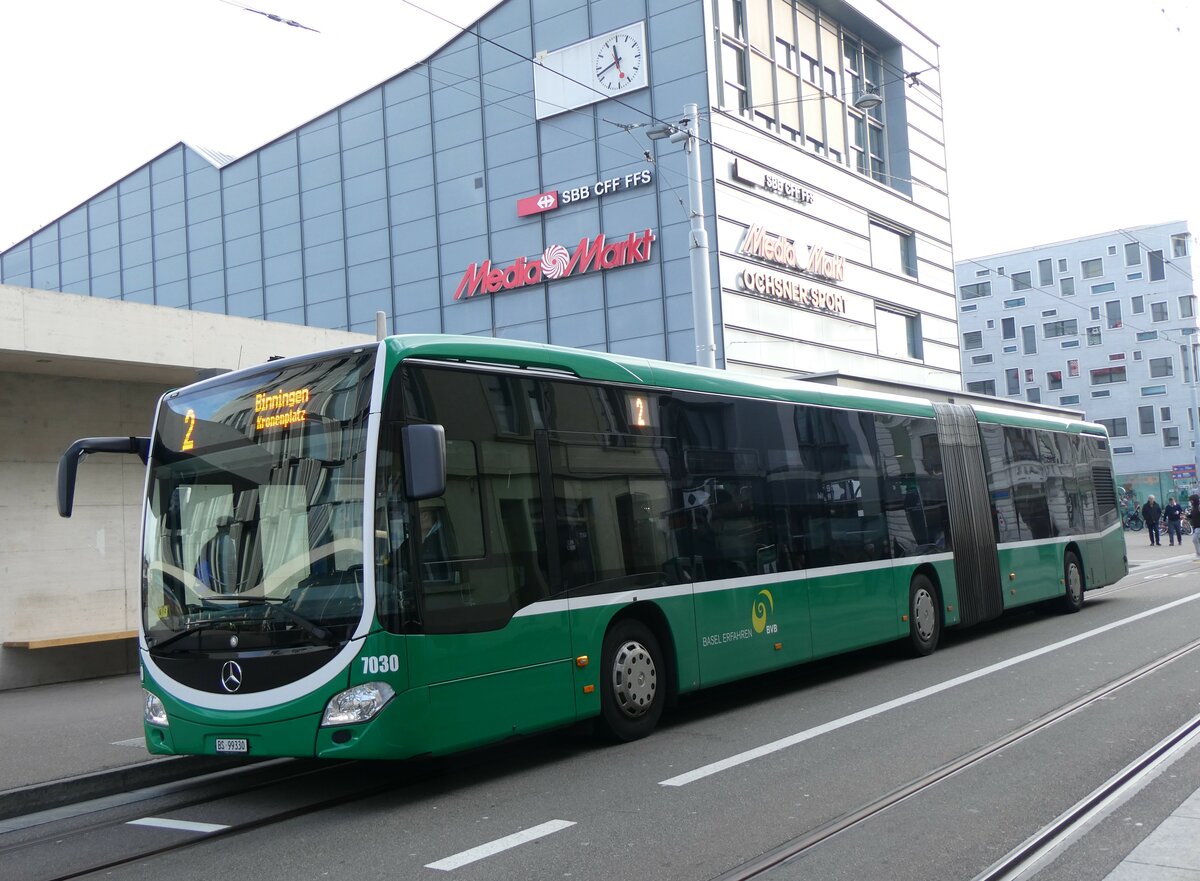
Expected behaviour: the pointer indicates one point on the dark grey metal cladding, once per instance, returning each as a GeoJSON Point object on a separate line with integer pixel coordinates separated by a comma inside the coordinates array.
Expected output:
{"type": "Point", "coordinates": [973, 536]}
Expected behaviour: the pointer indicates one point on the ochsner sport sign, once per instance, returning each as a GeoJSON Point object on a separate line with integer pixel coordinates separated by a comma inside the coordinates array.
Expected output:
{"type": "Point", "coordinates": [556, 262]}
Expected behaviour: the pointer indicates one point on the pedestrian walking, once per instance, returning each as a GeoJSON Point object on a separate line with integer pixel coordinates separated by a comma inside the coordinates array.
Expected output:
{"type": "Point", "coordinates": [1152, 513]}
{"type": "Point", "coordinates": [1193, 516]}
{"type": "Point", "coordinates": [1173, 513]}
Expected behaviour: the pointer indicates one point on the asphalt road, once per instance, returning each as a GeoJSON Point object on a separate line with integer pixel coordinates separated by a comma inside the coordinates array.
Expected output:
{"type": "Point", "coordinates": [739, 770]}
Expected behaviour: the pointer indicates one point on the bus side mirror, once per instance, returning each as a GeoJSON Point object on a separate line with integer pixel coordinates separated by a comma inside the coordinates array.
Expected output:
{"type": "Point", "coordinates": [424, 461]}
{"type": "Point", "coordinates": [68, 465]}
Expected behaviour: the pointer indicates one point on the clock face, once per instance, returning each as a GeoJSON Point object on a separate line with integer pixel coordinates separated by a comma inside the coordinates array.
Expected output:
{"type": "Point", "coordinates": [619, 63]}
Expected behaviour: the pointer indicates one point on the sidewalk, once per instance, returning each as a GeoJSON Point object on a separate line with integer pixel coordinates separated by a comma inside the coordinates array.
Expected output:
{"type": "Point", "coordinates": [78, 740]}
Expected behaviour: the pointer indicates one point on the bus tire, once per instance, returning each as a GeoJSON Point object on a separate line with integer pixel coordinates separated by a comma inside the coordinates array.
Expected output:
{"type": "Point", "coordinates": [632, 688]}
{"type": "Point", "coordinates": [924, 616]}
{"type": "Point", "coordinates": [1072, 598]}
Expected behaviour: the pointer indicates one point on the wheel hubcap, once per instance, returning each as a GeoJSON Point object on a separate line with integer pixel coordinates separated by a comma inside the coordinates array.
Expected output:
{"type": "Point", "coordinates": [634, 679]}
{"type": "Point", "coordinates": [1074, 583]}
{"type": "Point", "coordinates": [924, 614]}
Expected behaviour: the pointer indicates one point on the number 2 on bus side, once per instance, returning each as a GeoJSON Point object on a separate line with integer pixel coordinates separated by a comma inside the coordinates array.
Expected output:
{"type": "Point", "coordinates": [380, 663]}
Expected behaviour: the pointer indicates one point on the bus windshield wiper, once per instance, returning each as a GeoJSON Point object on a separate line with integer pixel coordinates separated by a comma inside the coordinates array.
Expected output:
{"type": "Point", "coordinates": [197, 626]}
{"type": "Point", "coordinates": [316, 631]}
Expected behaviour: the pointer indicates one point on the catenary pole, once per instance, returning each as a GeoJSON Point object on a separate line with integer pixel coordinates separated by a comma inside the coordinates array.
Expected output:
{"type": "Point", "coordinates": [701, 283]}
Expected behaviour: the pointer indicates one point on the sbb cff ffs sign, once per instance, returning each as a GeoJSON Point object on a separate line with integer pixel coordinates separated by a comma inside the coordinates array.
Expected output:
{"type": "Point", "coordinates": [552, 199]}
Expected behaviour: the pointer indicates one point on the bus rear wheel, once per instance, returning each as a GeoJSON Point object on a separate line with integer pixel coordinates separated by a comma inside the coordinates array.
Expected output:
{"type": "Point", "coordinates": [1072, 599]}
{"type": "Point", "coordinates": [924, 620]}
{"type": "Point", "coordinates": [632, 690]}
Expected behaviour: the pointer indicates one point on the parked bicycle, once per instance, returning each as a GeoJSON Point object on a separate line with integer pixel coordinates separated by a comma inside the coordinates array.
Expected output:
{"type": "Point", "coordinates": [1133, 522]}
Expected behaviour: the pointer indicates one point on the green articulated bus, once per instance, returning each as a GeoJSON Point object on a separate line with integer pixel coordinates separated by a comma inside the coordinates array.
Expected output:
{"type": "Point", "coordinates": [430, 543]}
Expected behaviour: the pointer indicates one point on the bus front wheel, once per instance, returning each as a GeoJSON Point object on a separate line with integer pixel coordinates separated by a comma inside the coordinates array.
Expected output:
{"type": "Point", "coordinates": [632, 690]}
{"type": "Point", "coordinates": [1072, 599]}
{"type": "Point", "coordinates": [924, 620]}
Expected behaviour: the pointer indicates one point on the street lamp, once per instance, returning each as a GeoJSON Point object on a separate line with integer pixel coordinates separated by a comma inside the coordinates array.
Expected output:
{"type": "Point", "coordinates": [868, 100]}
{"type": "Point", "coordinates": [687, 132]}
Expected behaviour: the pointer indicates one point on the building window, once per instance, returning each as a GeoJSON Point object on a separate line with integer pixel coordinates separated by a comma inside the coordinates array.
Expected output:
{"type": "Point", "coordinates": [1029, 374]}
{"type": "Point", "coordinates": [1161, 367]}
{"type": "Point", "coordinates": [898, 334]}
{"type": "Point", "coordinates": [1012, 381]}
{"type": "Point", "coordinates": [1069, 327]}
{"type": "Point", "coordinates": [1117, 451]}
{"type": "Point", "coordinates": [1045, 272]}
{"type": "Point", "coordinates": [895, 250]}
{"type": "Point", "coordinates": [1179, 245]}
{"type": "Point", "coordinates": [1093, 336]}
{"type": "Point", "coordinates": [1104, 288]}
{"type": "Point", "coordinates": [1069, 344]}
{"type": "Point", "coordinates": [1010, 350]}
{"type": "Point", "coordinates": [1118, 427]}
{"type": "Point", "coordinates": [1062, 264]}
{"type": "Point", "coordinates": [981, 359]}
{"type": "Point", "coordinates": [1008, 328]}
{"type": "Point", "coordinates": [1117, 356]}
{"type": "Point", "coordinates": [1092, 268]}
{"type": "Point", "coordinates": [1108, 375]}
{"type": "Point", "coordinates": [1033, 395]}
{"type": "Point", "coordinates": [1112, 250]}
{"type": "Point", "coordinates": [1095, 313]}
{"type": "Point", "coordinates": [1047, 313]}
{"type": "Point", "coordinates": [1158, 311]}
{"type": "Point", "coordinates": [1054, 380]}
{"type": "Point", "coordinates": [1066, 285]}
{"type": "Point", "coordinates": [980, 273]}
{"type": "Point", "coordinates": [1157, 267]}
{"type": "Point", "coordinates": [1021, 281]}
{"type": "Point", "coordinates": [1069, 399]}
{"type": "Point", "coordinates": [991, 324]}
{"type": "Point", "coordinates": [733, 68]}
{"type": "Point", "coordinates": [1137, 355]}
{"type": "Point", "coordinates": [1072, 368]}
{"type": "Point", "coordinates": [1146, 420]}
{"type": "Point", "coordinates": [1014, 303]}
{"type": "Point", "coordinates": [1103, 394]}
{"type": "Point", "coordinates": [973, 339]}
{"type": "Point", "coordinates": [1164, 414]}
{"type": "Point", "coordinates": [1133, 276]}
{"type": "Point", "coordinates": [1170, 436]}
{"type": "Point", "coordinates": [975, 291]}
{"type": "Point", "coordinates": [1187, 306]}
{"type": "Point", "coordinates": [1112, 311]}
{"type": "Point", "coordinates": [1139, 305]}
{"type": "Point", "coordinates": [1145, 336]}
{"type": "Point", "coordinates": [1029, 339]}
{"type": "Point", "coordinates": [971, 308]}
{"type": "Point", "coordinates": [983, 387]}
{"type": "Point", "coordinates": [1133, 254]}
{"type": "Point", "coordinates": [1151, 391]}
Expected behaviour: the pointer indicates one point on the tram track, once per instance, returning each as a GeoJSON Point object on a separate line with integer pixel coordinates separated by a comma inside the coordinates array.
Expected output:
{"type": "Point", "coordinates": [1020, 859]}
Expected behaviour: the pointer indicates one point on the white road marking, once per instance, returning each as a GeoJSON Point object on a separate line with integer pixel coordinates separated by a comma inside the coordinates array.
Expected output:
{"type": "Point", "coordinates": [1155, 577]}
{"type": "Point", "coordinates": [183, 825]}
{"type": "Point", "coordinates": [475, 854]}
{"type": "Point", "coordinates": [912, 697]}
{"type": "Point", "coordinates": [133, 741]}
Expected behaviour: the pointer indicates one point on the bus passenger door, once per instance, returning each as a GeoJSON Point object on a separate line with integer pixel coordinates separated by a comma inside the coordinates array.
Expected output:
{"type": "Point", "coordinates": [494, 645]}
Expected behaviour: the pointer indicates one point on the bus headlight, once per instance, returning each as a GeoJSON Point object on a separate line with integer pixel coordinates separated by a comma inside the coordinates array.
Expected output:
{"type": "Point", "coordinates": [153, 710]}
{"type": "Point", "coordinates": [357, 704]}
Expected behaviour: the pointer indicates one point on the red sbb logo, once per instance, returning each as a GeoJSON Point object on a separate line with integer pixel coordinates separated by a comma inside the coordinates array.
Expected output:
{"type": "Point", "coordinates": [537, 204]}
{"type": "Point", "coordinates": [556, 262]}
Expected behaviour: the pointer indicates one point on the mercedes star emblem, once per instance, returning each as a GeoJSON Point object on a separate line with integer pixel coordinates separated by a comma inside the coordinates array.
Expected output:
{"type": "Point", "coordinates": [231, 676]}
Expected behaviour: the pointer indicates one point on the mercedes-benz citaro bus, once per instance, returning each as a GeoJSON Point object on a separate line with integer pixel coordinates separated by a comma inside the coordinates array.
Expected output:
{"type": "Point", "coordinates": [431, 542]}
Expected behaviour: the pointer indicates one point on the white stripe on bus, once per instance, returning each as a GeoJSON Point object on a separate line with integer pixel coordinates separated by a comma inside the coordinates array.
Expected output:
{"type": "Point", "coordinates": [810, 733]}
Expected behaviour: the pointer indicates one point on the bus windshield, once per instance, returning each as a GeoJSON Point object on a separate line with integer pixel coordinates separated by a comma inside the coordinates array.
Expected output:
{"type": "Point", "coordinates": [254, 517]}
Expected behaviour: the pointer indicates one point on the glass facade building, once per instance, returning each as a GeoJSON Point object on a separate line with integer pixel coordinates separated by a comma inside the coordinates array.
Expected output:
{"type": "Point", "coordinates": [404, 198]}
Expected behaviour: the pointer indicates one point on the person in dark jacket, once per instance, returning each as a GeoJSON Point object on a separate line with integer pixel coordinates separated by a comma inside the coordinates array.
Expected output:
{"type": "Point", "coordinates": [1193, 516]}
{"type": "Point", "coordinates": [1152, 513]}
{"type": "Point", "coordinates": [1174, 514]}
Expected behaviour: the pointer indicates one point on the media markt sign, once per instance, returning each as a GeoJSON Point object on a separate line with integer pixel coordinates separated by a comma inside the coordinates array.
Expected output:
{"type": "Point", "coordinates": [784, 252]}
{"type": "Point", "coordinates": [556, 262]}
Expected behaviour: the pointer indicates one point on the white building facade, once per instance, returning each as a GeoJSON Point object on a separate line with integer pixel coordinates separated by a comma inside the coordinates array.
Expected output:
{"type": "Point", "coordinates": [1106, 324]}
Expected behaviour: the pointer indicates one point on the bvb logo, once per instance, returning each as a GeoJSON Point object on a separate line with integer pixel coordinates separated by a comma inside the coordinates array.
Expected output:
{"type": "Point", "coordinates": [760, 610]}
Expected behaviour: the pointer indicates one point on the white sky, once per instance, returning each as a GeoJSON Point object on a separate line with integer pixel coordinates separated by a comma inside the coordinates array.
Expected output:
{"type": "Point", "coordinates": [1063, 117]}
